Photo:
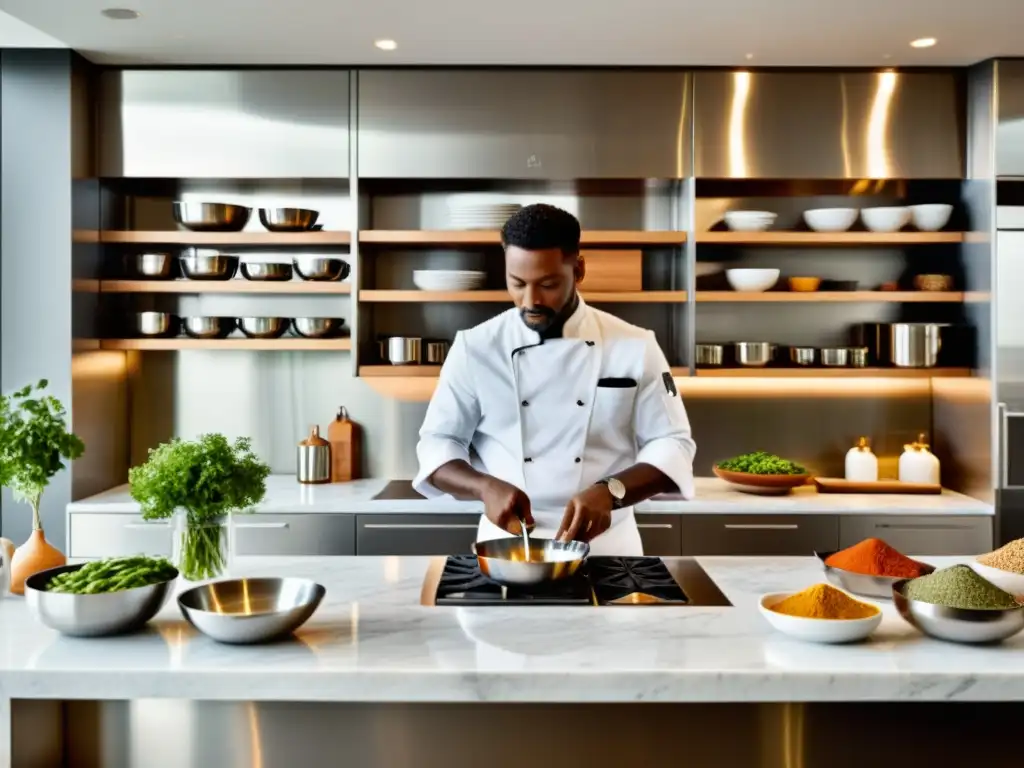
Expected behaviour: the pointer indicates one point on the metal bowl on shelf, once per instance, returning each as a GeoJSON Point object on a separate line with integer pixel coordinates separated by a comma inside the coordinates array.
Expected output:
{"type": "Point", "coordinates": [863, 583]}
{"type": "Point", "coordinates": [152, 266]}
{"type": "Point", "coordinates": [108, 613]}
{"type": "Point", "coordinates": [505, 560]}
{"type": "Point", "coordinates": [207, 264]}
{"type": "Point", "coordinates": [247, 611]}
{"type": "Point", "coordinates": [958, 625]}
{"type": "Point", "coordinates": [321, 268]}
{"type": "Point", "coordinates": [156, 324]}
{"type": "Point", "coordinates": [709, 355]}
{"type": "Point", "coordinates": [835, 357]}
{"type": "Point", "coordinates": [317, 327]}
{"type": "Point", "coordinates": [405, 350]}
{"type": "Point", "coordinates": [803, 356]}
{"type": "Point", "coordinates": [212, 217]}
{"type": "Point", "coordinates": [207, 327]}
{"type": "Point", "coordinates": [266, 271]}
{"type": "Point", "coordinates": [754, 354]}
{"type": "Point", "coordinates": [288, 219]}
{"type": "Point", "coordinates": [263, 327]}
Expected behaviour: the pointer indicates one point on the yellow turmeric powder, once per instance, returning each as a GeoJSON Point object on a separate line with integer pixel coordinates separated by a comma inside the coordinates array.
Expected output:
{"type": "Point", "coordinates": [824, 602]}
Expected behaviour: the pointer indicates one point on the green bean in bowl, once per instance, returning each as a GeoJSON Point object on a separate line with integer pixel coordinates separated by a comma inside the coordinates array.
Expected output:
{"type": "Point", "coordinates": [761, 463]}
{"type": "Point", "coordinates": [113, 575]}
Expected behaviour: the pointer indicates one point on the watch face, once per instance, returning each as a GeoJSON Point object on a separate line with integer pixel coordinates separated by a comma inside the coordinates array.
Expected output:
{"type": "Point", "coordinates": [616, 488]}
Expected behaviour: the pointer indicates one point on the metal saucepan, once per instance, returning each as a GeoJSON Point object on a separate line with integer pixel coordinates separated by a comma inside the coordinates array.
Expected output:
{"type": "Point", "coordinates": [709, 354]}
{"type": "Point", "coordinates": [405, 350]}
{"type": "Point", "coordinates": [754, 354]}
{"type": "Point", "coordinates": [803, 355]}
{"type": "Point", "coordinates": [504, 560]}
{"type": "Point", "coordinates": [212, 217]}
{"type": "Point", "coordinates": [915, 345]}
{"type": "Point", "coordinates": [288, 219]}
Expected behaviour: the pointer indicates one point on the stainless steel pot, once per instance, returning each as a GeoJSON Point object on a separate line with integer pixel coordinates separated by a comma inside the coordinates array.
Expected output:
{"type": "Point", "coordinates": [207, 264]}
{"type": "Point", "coordinates": [915, 345]}
{"type": "Point", "coordinates": [803, 355]}
{"type": "Point", "coordinates": [321, 268]}
{"type": "Point", "coordinates": [212, 217]}
{"type": "Point", "coordinates": [709, 354]}
{"type": "Point", "coordinates": [288, 219]}
{"type": "Point", "coordinates": [504, 560]}
{"type": "Point", "coordinates": [317, 327]}
{"type": "Point", "coordinates": [155, 266]}
{"type": "Point", "coordinates": [437, 351]}
{"type": "Point", "coordinates": [313, 459]}
{"type": "Point", "coordinates": [405, 350]}
{"type": "Point", "coordinates": [754, 354]}
{"type": "Point", "coordinates": [835, 357]}
{"type": "Point", "coordinates": [263, 327]}
{"type": "Point", "coordinates": [266, 271]}
{"type": "Point", "coordinates": [208, 327]}
{"type": "Point", "coordinates": [156, 324]}
{"type": "Point", "coordinates": [858, 357]}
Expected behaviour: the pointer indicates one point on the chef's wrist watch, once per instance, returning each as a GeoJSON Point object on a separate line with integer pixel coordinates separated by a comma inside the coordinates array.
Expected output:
{"type": "Point", "coordinates": [616, 488]}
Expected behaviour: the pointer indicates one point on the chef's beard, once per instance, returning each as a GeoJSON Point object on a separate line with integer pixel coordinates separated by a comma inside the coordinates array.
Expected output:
{"type": "Point", "coordinates": [549, 322]}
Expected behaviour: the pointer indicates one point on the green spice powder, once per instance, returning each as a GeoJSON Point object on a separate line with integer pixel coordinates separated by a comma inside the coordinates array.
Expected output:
{"type": "Point", "coordinates": [958, 587]}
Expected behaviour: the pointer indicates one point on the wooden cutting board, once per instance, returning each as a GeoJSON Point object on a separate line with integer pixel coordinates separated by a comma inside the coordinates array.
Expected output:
{"type": "Point", "coordinates": [838, 485]}
{"type": "Point", "coordinates": [612, 271]}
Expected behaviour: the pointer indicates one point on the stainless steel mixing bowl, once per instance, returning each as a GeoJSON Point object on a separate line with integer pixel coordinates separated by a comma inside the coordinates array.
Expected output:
{"type": "Point", "coordinates": [245, 611]}
{"type": "Point", "coordinates": [288, 219]}
{"type": "Point", "coordinates": [958, 625]}
{"type": "Point", "coordinates": [863, 583]}
{"type": "Point", "coordinates": [154, 266]}
{"type": "Point", "coordinates": [156, 324]}
{"type": "Point", "coordinates": [110, 613]}
{"type": "Point", "coordinates": [266, 271]}
{"type": "Point", "coordinates": [754, 354]}
{"type": "Point", "coordinates": [321, 268]}
{"type": "Point", "coordinates": [263, 327]}
{"type": "Point", "coordinates": [504, 560]}
{"type": "Point", "coordinates": [212, 217]}
{"type": "Point", "coordinates": [207, 264]}
{"type": "Point", "coordinates": [208, 327]}
{"type": "Point", "coordinates": [317, 327]}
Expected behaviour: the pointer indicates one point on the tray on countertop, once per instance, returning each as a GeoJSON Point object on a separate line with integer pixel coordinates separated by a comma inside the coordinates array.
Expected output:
{"type": "Point", "coordinates": [838, 485]}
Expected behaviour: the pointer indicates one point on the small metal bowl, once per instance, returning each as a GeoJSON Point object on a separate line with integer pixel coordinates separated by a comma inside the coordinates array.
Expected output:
{"type": "Point", "coordinates": [835, 357]}
{"type": "Point", "coordinates": [207, 264]}
{"type": "Point", "coordinates": [754, 354]}
{"type": "Point", "coordinates": [153, 266]}
{"type": "Point", "coordinates": [317, 327]}
{"type": "Point", "coordinates": [321, 268]}
{"type": "Point", "coordinates": [110, 613]}
{"type": "Point", "coordinates": [156, 324]}
{"type": "Point", "coordinates": [246, 611]}
{"type": "Point", "coordinates": [208, 327]}
{"type": "Point", "coordinates": [504, 560]}
{"type": "Point", "coordinates": [266, 271]}
{"type": "Point", "coordinates": [212, 217]}
{"type": "Point", "coordinates": [288, 219]}
{"type": "Point", "coordinates": [862, 583]}
{"type": "Point", "coordinates": [803, 355]}
{"type": "Point", "coordinates": [958, 625]}
{"type": "Point", "coordinates": [263, 327]}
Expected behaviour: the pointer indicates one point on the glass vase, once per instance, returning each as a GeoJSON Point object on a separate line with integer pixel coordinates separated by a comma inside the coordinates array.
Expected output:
{"type": "Point", "coordinates": [202, 550]}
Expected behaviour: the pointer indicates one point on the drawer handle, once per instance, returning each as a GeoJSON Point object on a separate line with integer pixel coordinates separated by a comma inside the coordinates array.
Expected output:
{"type": "Point", "coordinates": [663, 526]}
{"type": "Point", "coordinates": [147, 525]}
{"type": "Point", "coordinates": [261, 525]}
{"type": "Point", "coordinates": [923, 527]}
{"type": "Point", "coordinates": [421, 526]}
{"type": "Point", "coordinates": [762, 526]}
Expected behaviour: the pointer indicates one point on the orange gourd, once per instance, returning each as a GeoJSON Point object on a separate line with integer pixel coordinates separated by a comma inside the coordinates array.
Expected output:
{"type": "Point", "coordinates": [35, 555]}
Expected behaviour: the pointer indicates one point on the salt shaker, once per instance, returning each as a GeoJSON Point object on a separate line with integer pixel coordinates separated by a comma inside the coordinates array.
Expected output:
{"type": "Point", "coordinates": [861, 463]}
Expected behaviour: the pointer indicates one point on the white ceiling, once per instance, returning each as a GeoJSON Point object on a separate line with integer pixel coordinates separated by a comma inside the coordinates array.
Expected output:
{"type": "Point", "coordinates": [15, 33]}
{"type": "Point", "coordinates": [542, 32]}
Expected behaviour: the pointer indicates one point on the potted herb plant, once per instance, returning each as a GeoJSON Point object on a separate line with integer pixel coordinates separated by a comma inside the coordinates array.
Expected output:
{"type": "Point", "coordinates": [34, 444]}
{"type": "Point", "coordinates": [201, 482]}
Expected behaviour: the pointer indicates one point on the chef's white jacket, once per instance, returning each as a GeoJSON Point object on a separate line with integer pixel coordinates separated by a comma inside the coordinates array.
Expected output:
{"type": "Point", "coordinates": [553, 417]}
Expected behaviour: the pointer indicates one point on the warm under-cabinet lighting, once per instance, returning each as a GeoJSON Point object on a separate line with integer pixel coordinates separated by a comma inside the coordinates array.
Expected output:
{"type": "Point", "coordinates": [923, 42]}
{"type": "Point", "coordinates": [386, 44]}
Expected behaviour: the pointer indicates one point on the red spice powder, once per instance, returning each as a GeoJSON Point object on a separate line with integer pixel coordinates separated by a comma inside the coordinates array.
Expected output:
{"type": "Point", "coordinates": [875, 558]}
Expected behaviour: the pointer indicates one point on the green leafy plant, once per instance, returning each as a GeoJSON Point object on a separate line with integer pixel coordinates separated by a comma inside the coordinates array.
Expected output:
{"type": "Point", "coordinates": [34, 443]}
{"type": "Point", "coordinates": [206, 479]}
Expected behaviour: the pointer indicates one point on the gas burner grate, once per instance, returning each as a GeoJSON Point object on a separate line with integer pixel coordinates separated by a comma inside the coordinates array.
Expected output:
{"type": "Point", "coordinates": [629, 579]}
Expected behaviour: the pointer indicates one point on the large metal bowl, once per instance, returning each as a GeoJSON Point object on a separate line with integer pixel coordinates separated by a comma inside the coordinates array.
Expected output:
{"type": "Point", "coordinates": [288, 219]}
{"type": "Point", "coordinates": [958, 625]}
{"type": "Point", "coordinates": [245, 611]}
{"type": "Point", "coordinates": [862, 583]}
{"type": "Point", "coordinates": [321, 268]}
{"type": "Point", "coordinates": [504, 560]}
{"type": "Point", "coordinates": [110, 613]}
{"type": "Point", "coordinates": [200, 327]}
{"type": "Point", "coordinates": [266, 271]}
{"type": "Point", "coordinates": [212, 217]}
{"type": "Point", "coordinates": [207, 264]}
{"type": "Point", "coordinates": [263, 327]}
{"type": "Point", "coordinates": [318, 327]}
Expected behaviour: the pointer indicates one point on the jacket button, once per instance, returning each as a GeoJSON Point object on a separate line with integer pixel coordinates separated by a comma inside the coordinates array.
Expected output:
{"type": "Point", "coordinates": [579, 403]}
{"type": "Point", "coordinates": [525, 403]}
{"type": "Point", "coordinates": [527, 459]}
{"type": "Point", "coordinates": [590, 343]}
{"type": "Point", "coordinates": [577, 459]}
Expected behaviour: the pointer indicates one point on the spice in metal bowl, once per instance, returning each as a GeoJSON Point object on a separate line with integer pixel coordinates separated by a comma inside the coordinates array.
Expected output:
{"type": "Point", "coordinates": [1009, 557]}
{"type": "Point", "coordinates": [959, 587]}
{"type": "Point", "coordinates": [823, 601]}
{"type": "Point", "coordinates": [875, 558]}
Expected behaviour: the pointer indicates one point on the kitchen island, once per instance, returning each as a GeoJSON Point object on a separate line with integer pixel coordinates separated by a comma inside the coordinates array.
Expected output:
{"type": "Point", "coordinates": [378, 678]}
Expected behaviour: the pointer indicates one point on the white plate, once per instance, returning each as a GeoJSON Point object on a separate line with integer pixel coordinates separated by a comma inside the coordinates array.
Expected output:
{"type": "Point", "coordinates": [1008, 581]}
{"type": "Point", "coordinates": [749, 221]}
{"type": "Point", "coordinates": [818, 630]}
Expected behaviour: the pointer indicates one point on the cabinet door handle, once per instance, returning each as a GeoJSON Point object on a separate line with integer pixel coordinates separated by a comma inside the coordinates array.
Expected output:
{"type": "Point", "coordinates": [762, 526]}
{"type": "Point", "coordinates": [420, 526]}
{"type": "Point", "coordinates": [261, 525]}
{"type": "Point", "coordinates": [923, 527]}
{"type": "Point", "coordinates": [146, 525]}
{"type": "Point", "coordinates": [662, 526]}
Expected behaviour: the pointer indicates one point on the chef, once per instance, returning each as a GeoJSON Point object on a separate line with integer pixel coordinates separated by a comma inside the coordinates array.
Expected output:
{"type": "Point", "coordinates": [554, 413]}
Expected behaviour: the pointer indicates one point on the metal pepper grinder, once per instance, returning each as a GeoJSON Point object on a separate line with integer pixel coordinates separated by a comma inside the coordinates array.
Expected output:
{"type": "Point", "coordinates": [313, 459]}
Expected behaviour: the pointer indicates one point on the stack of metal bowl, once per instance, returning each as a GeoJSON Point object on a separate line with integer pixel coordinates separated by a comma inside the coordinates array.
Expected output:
{"type": "Point", "coordinates": [207, 264]}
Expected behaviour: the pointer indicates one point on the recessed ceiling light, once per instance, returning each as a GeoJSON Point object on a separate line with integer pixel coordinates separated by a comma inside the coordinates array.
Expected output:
{"type": "Point", "coordinates": [923, 42]}
{"type": "Point", "coordinates": [120, 14]}
{"type": "Point", "coordinates": [386, 45]}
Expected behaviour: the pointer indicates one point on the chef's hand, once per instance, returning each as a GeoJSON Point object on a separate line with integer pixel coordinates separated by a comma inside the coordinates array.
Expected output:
{"type": "Point", "coordinates": [587, 515]}
{"type": "Point", "coordinates": [505, 505]}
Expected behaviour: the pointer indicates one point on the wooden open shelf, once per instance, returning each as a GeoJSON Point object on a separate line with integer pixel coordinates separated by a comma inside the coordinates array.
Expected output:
{"type": "Point", "coordinates": [889, 297]}
{"type": "Point", "coordinates": [674, 297]}
{"type": "Point", "coordinates": [185, 237]}
{"type": "Point", "coordinates": [420, 297]}
{"type": "Point", "coordinates": [491, 237]}
{"type": "Point", "coordinates": [223, 286]}
{"type": "Point", "coordinates": [260, 345]}
{"type": "Point", "coordinates": [842, 373]}
{"type": "Point", "coordinates": [400, 371]}
{"type": "Point", "coordinates": [830, 238]}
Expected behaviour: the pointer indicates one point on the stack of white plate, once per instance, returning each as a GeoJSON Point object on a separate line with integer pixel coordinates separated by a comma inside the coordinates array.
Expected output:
{"type": "Point", "coordinates": [447, 279]}
{"type": "Point", "coordinates": [466, 215]}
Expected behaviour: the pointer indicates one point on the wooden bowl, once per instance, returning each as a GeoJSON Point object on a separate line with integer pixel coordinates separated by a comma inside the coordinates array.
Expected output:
{"type": "Point", "coordinates": [751, 483]}
{"type": "Point", "coordinates": [933, 282]}
{"type": "Point", "coordinates": [804, 284]}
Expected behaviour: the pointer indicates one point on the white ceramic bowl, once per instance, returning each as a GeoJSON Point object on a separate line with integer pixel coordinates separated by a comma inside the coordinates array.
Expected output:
{"type": "Point", "coordinates": [447, 279]}
{"type": "Point", "coordinates": [930, 217]}
{"type": "Point", "coordinates": [1008, 581]}
{"type": "Point", "coordinates": [888, 219]}
{"type": "Point", "coordinates": [818, 630]}
{"type": "Point", "coordinates": [753, 280]}
{"type": "Point", "coordinates": [749, 221]}
{"type": "Point", "coordinates": [830, 219]}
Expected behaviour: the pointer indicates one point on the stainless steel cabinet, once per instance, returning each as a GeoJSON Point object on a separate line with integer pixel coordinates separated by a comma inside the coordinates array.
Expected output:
{"type": "Point", "coordinates": [224, 123]}
{"type": "Point", "coordinates": [546, 125]}
{"type": "Point", "coordinates": [112, 535]}
{"type": "Point", "coordinates": [758, 534]}
{"type": "Point", "coordinates": [299, 534]}
{"type": "Point", "coordinates": [661, 534]}
{"type": "Point", "coordinates": [916, 535]}
{"type": "Point", "coordinates": [415, 534]}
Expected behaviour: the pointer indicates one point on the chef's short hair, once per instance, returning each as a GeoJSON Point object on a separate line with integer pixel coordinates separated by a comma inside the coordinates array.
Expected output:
{"type": "Point", "coordinates": [540, 226]}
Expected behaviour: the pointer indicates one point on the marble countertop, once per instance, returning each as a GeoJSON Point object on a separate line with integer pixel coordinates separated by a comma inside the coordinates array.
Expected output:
{"type": "Point", "coordinates": [372, 640]}
{"type": "Point", "coordinates": [285, 495]}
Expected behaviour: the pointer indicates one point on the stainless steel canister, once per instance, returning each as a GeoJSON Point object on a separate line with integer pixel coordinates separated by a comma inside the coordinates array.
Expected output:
{"type": "Point", "coordinates": [709, 354]}
{"type": "Point", "coordinates": [437, 351]}
{"type": "Point", "coordinates": [915, 345]}
{"type": "Point", "coordinates": [313, 459]}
